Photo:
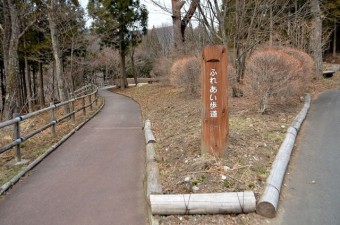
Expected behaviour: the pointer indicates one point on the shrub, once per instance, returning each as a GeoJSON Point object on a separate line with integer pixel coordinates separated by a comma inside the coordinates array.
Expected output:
{"type": "Point", "coordinates": [276, 73]}
{"type": "Point", "coordinates": [161, 68]}
{"type": "Point", "coordinates": [186, 72]}
{"type": "Point", "coordinates": [307, 63]}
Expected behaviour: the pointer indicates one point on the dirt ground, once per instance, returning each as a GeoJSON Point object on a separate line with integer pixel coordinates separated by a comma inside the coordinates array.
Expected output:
{"type": "Point", "coordinates": [176, 119]}
{"type": "Point", "coordinates": [253, 143]}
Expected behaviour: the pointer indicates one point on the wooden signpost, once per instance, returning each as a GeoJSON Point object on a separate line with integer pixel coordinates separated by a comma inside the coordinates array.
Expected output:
{"type": "Point", "coordinates": [215, 100]}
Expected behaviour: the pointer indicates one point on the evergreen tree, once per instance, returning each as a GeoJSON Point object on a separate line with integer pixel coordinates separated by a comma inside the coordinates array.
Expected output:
{"type": "Point", "coordinates": [116, 22]}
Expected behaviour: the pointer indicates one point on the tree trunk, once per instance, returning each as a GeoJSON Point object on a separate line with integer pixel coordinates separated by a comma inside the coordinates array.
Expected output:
{"type": "Point", "coordinates": [3, 89]}
{"type": "Point", "coordinates": [6, 37]}
{"type": "Point", "coordinates": [122, 50]}
{"type": "Point", "coordinates": [62, 90]}
{"type": "Point", "coordinates": [334, 39]}
{"type": "Point", "coordinates": [179, 24]}
{"type": "Point", "coordinates": [53, 95]}
{"type": "Point", "coordinates": [176, 21]}
{"type": "Point", "coordinates": [71, 66]}
{"type": "Point", "coordinates": [123, 81]}
{"type": "Point", "coordinates": [11, 57]}
{"type": "Point", "coordinates": [41, 86]}
{"type": "Point", "coordinates": [28, 83]}
{"type": "Point", "coordinates": [186, 19]}
{"type": "Point", "coordinates": [22, 90]}
{"type": "Point", "coordinates": [34, 85]}
{"type": "Point", "coordinates": [316, 36]}
{"type": "Point", "coordinates": [134, 72]}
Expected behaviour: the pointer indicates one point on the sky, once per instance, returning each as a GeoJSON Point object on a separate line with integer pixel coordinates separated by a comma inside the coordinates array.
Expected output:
{"type": "Point", "coordinates": [157, 17]}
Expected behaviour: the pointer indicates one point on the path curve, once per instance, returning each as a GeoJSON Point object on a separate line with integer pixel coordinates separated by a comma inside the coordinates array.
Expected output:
{"type": "Point", "coordinates": [94, 178]}
{"type": "Point", "coordinates": [312, 192]}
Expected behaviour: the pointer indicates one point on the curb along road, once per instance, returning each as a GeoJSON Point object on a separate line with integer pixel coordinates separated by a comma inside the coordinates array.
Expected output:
{"type": "Point", "coordinates": [311, 192]}
{"type": "Point", "coordinates": [269, 201]}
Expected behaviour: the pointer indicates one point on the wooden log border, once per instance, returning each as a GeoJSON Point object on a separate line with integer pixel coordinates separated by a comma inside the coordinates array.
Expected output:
{"type": "Point", "coordinates": [152, 181]}
{"type": "Point", "coordinates": [153, 185]}
{"type": "Point", "coordinates": [211, 203]}
{"type": "Point", "coordinates": [267, 206]}
{"type": "Point", "coordinates": [148, 133]}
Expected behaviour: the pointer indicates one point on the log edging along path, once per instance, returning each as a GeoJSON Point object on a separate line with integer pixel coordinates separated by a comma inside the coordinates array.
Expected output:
{"type": "Point", "coordinates": [267, 206]}
{"type": "Point", "coordinates": [210, 203]}
{"type": "Point", "coordinates": [26, 169]}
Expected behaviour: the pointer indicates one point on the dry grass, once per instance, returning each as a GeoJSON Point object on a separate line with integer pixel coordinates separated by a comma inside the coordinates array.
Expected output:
{"type": "Point", "coordinates": [37, 145]}
{"type": "Point", "coordinates": [254, 140]}
{"type": "Point", "coordinates": [253, 143]}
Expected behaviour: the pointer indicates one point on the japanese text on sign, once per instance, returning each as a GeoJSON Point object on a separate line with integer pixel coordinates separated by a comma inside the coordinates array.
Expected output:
{"type": "Point", "coordinates": [213, 93]}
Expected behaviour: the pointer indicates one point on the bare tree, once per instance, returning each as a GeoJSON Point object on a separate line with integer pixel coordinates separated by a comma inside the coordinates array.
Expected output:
{"type": "Point", "coordinates": [316, 35]}
{"type": "Point", "coordinates": [179, 23]}
{"type": "Point", "coordinates": [12, 30]}
{"type": "Point", "coordinates": [165, 38]}
{"type": "Point", "coordinates": [57, 54]}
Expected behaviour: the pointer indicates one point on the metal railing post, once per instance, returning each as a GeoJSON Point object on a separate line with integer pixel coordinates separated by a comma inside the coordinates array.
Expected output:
{"type": "Point", "coordinates": [90, 100]}
{"type": "Point", "coordinates": [96, 97]}
{"type": "Point", "coordinates": [53, 118]}
{"type": "Point", "coordinates": [84, 109]}
{"type": "Point", "coordinates": [16, 135]}
{"type": "Point", "coordinates": [73, 109]}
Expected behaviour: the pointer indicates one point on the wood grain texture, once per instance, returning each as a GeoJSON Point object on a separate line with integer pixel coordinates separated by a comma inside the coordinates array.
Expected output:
{"type": "Point", "coordinates": [214, 203]}
{"type": "Point", "coordinates": [268, 204]}
{"type": "Point", "coordinates": [153, 181]}
{"type": "Point", "coordinates": [214, 128]}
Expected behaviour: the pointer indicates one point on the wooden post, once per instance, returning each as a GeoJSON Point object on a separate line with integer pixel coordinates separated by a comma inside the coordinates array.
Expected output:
{"type": "Point", "coordinates": [16, 136]}
{"type": "Point", "coordinates": [53, 118]}
{"type": "Point", "coordinates": [215, 100]}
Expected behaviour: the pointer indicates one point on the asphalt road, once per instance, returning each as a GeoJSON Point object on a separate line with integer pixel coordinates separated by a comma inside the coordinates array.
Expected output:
{"type": "Point", "coordinates": [312, 192]}
{"type": "Point", "coordinates": [94, 178]}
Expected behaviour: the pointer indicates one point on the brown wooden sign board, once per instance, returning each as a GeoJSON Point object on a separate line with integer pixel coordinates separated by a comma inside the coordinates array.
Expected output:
{"type": "Point", "coordinates": [215, 127]}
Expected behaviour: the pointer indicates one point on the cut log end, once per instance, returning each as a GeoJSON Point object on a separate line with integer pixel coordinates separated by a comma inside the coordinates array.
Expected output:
{"type": "Point", "coordinates": [266, 209]}
{"type": "Point", "coordinates": [151, 141]}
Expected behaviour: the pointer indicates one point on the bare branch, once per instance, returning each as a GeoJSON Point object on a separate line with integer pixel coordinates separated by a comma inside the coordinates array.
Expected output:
{"type": "Point", "coordinates": [162, 7]}
{"type": "Point", "coordinates": [31, 23]}
{"type": "Point", "coordinates": [188, 16]}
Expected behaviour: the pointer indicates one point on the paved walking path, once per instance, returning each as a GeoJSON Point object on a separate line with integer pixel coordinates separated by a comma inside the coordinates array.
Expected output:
{"type": "Point", "coordinates": [94, 178]}
{"type": "Point", "coordinates": [312, 195]}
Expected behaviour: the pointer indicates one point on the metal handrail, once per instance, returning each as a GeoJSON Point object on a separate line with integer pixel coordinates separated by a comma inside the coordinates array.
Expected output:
{"type": "Point", "coordinates": [17, 119]}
